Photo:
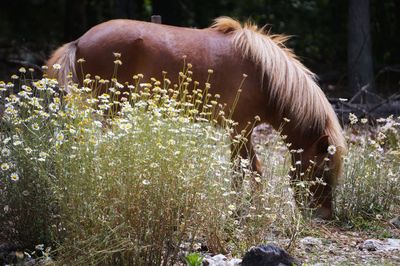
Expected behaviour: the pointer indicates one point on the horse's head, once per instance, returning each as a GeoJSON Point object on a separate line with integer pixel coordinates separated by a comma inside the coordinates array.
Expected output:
{"type": "Point", "coordinates": [321, 164]}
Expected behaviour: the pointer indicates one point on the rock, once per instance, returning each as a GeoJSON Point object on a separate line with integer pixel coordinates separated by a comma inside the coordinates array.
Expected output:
{"type": "Point", "coordinates": [234, 262]}
{"type": "Point", "coordinates": [217, 260]}
{"type": "Point", "coordinates": [395, 222]}
{"type": "Point", "coordinates": [220, 260]}
{"type": "Point", "coordinates": [380, 245]}
{"type": "Point", "coordinates": [309, 243]}
{"type": "Point", "coordinates": [270, 254]}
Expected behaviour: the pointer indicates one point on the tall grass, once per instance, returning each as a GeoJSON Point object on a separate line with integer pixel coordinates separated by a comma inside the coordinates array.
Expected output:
{"type": "Point", "coordinates": [371, 180]}
{"type": "Point", "coordinates": [127, 173]}
{"type": "Point", "coordinates": [123, 174]}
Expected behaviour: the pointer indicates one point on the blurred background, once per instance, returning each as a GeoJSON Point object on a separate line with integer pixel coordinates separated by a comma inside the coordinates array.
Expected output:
{"type": "Point", "coordinates": [350, 44]}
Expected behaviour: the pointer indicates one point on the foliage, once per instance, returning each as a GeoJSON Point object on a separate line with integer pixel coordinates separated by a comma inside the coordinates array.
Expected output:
{"type": "Point", "coordinates": [125, 173]}
{"type": "Point", "coordinates": [122, 174]}
{"type": "Point", "coordinates": [318, 26]}
{"type": "Point", "coordinates": [371, 181]}
{"type": "Point", "coordinates": [194, 259]}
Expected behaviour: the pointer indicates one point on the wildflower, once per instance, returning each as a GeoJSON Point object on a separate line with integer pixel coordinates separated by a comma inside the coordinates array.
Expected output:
{"type": "Point", "coordinates": [298, 163]}
{"type": "Point", "coordinates": [118, 62]}
{"type": "Point", "coordinates": [119, 85]}
{"type": "Point", "coordinates": [59, 136]}
{"type": "Point", "coordinates": [232, 207]}
{"type": "Point", "coordinates": [57, 66]}
{"type": "Point", "coordinates": [353, 118]}
{"type": "Point", "coordinates": [364, 120]}
{"type": "Point", "coordinates": [81, 60]}
{"type": "Point", "coordinates": [117, 55]}
{"type": "Point", "coordinates": [154, 165]}
{"type": "Point", "coordinates": [53, 107]}
{"type": "Point", "coordinates": [14, 177]}
{"type": "Point", "coordinates": [5, 166]}
{"type": "Point", "coordinates": [287, 120]}
{"type": "Point", "coordinates": [146, 182]}
{"type": "Point", "coordinates": [381, 136]}
{"type": "Point", "coordinates": [124, 126]}
{"type": "Point", "coordinates": [42, 156]}
{"type": "Point", "coordinates": [171, 142]}
{"type": "Point", "coordinates": [14, 77]}
{"type": "Point", "coordinates": [332, 149]}
{"type": "Point", "coordinates": [17, 143]}
{"type": "Point", "coordinates": [5, 152]}
{"type": "Point", "coordinates": [35, 126]}
{"type": "Point", "coordinates": [145, 85]}
{"type": "Point", "coordinates": [22, 70]}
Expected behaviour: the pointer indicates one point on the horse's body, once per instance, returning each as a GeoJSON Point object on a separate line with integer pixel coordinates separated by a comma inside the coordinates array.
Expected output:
{"type": "Point", "coordinates": [277, 86]}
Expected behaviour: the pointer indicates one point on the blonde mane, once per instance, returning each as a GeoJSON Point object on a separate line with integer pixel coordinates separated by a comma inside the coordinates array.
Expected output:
{"type": "Point", "coordinates": [290, 84]}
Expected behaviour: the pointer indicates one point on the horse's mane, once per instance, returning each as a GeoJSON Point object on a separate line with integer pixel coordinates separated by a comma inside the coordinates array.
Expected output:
{"type": "Point", "coordinates": [290, 84]}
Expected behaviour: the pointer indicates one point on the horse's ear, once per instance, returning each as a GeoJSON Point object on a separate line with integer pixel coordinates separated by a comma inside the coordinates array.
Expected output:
{"type": "Point", "coordinates": [321, 144]}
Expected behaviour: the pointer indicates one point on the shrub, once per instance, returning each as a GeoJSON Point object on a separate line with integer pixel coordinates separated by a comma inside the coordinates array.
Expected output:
{"type": "Point", "coordinates": [123, 174]}
{"type": "Point", "coordinates": [371, 181]}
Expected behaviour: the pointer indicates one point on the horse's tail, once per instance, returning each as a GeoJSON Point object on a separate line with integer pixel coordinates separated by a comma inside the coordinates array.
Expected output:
{"type": "Point", "coordinates": [65, 56]}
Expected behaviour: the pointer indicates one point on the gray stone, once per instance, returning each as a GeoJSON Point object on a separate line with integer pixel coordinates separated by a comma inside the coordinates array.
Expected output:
{"type": "Point", "coordinates": [396, 222]}
{"type": "Point", "coordinates": [217, 260]}
{"type": "Point", "coordinates": [310, 243]}
{"type": "Point", "coordinates": [380, 245]}
{"type": "Point", "coordinates": [234, 262]}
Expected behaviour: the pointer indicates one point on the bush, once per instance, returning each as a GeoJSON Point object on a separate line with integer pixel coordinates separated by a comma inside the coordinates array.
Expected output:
{"type": "Point", "coordinates": [126, 176]}
{"type": "Point", "coordinates": [371, 180]}
{"type": "Point", "coordinates": [129, 173]}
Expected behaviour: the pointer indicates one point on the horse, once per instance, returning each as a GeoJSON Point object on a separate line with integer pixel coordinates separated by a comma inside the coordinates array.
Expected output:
{"type": "Point", "coordinates": [278, 86]}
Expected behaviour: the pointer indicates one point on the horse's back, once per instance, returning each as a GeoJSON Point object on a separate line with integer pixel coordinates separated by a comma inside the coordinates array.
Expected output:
{"type": "Point", "coordinates": [149, 48]}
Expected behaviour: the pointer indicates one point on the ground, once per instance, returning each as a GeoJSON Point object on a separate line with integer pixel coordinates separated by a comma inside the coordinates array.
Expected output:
{"type": "Point", "coordinates": [339, 245]}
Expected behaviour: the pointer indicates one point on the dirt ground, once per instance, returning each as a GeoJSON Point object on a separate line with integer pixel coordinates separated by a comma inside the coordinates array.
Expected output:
{"type": "Point", "coordinates": [330, 244]}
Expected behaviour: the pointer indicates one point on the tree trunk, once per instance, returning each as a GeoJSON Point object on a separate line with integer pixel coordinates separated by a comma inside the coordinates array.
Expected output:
{"type": "Point", "coordinates": [359, 58]}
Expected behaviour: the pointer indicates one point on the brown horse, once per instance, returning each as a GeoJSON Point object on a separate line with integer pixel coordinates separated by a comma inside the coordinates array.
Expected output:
{"type": "Point", "coordinates": [278, 86]}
